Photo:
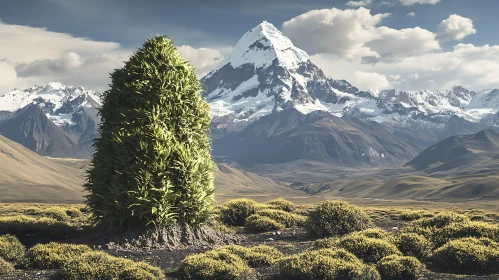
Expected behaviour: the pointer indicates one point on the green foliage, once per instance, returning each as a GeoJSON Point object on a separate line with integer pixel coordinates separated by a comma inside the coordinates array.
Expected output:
{"type": "Point", "coordinates": [330, 264]}
{"type": "Point", "coordinates": [99, 265]}
{"type": "Point", "coordinates": [458, 228]}
{"type": "Point", "coordinates": [415, 245]}
{"type": "Point", "coordinates": [57, 213]}
{"type": "Point", "coordinates": [5, 267]}
{"type": "Point", "coordinates": [258, 256]}
{"type": "Point", "coordinates": [256, 223]}
{"type": "Point", "coordinates": [415, 215]}
{"type": "Point", "coordinates": [234, 212]}
{"type": "Point", "coordinates": [214, 265]}
{"type": "Point", "coordinates": [375, 233]}
{"type": "Point", "coordinates": [468, 256]}
{"type": "Point", "coordinates": [53, 255]}
{"type": "Point", "coordinates": [281, 204]}
{"type": "Point", "coordinates": [370, 250]}
{"type": "Point", "coordinates": [11, 249]}
{"type": "Point", "coordinates": [19, 225]}
{"type": "Point", "coordinates": [152, 162]}
{"type": "Point", "coordinates": [400, 268]}
{"type": "Point", "coordinates": [283, 217]}
{"type": "Point", "coordinates": [332, 218]}
{"type": "Point", "coordinates": [441, 220]}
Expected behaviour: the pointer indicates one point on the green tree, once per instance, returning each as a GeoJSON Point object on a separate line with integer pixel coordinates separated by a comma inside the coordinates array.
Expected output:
{"type": "Point", "coordinates": [152, 162]}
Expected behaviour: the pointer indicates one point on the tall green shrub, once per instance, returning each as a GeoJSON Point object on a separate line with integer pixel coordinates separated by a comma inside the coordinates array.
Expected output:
{"type": "Point", "coordinates": [152, 162]}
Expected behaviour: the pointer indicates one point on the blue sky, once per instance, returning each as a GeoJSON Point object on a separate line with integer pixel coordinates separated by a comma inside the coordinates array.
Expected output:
{"type": "Point", "coordinates": [208, 29]}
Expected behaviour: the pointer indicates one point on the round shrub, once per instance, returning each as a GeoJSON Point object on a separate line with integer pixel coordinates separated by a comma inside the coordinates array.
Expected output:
{"type": "Point", "coordinates": [258, 256]}
{"type": "Point", "coordinates": [214, 265]}
{"type": "Point", "coordinates": [281, 204]}
{"type": "Point", "coordinates": [5, 267]}
{"type": "Point", "coordinates": [415, 215]}
{"type": "Point", "coordinates": [440, 220]}
{"type": "Point", "coordinates": [325, 243]}
{"type": "Point", "coordinates": [375, 233]}
{"type": "Point", "coordinates": [11, 249]}
{"type": "Point", "coordinates": [370, 250]}
{"type": "Point", "coordinates": [415, 245]}
{"type": "Point", "coordinates": [467, 256]}
{"type": "Point", "coordinates": [236, 211]}
{"type": "Point", "coordinates": [99, 265]}
{"type": "Point", "coordinates": [283, 217]}
{"type": "Point", "coordinates": [328, 264]}
{"type": "Point", "coordinates": [257, 224]}
{"type": "Point", "coordinates": [53, 255]}
{"type": "Point", "coordinates": [400, 268]}
{"type": "Point", "coordinates": [333, 218]}
{"type": "Point", "coordinates": [465, 229]}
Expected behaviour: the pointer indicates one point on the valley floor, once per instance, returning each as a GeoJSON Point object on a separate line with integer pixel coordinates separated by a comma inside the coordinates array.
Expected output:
{"type": "Point", "coordinates": [385, 214]}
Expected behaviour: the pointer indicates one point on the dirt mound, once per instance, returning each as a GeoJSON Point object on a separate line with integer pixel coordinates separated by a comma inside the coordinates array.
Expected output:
{"type": "Point", "coordinates": [173, 237]}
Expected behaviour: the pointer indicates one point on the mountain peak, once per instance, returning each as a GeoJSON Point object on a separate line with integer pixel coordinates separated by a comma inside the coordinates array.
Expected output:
{"type": "Point", "coordinates": [262, 45]}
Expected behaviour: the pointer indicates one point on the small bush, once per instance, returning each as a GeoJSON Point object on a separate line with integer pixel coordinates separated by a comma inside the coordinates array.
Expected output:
{"type": "Point", "coordinates": [375, 233]}
{"type": "Point", "coordinates": [327, 243]}
{"type": "Point", "coordinates": [400, 268]}
{"type": "Point", "coordinates": [415, 215]}
{"type": "Point", "coordinates": [370, 250]}
{"type": "Point", "coordinates": [19, 225]}
{"type": "Point", "coordinates": [257, 256]}
{"type": "Point", "coordinates": [257, 223]}
{"type": "Point", "coordinates": [465, 229]}
{"type": "Point", "coordinates": [333, 218]}
{"type": "Point", "coordinates": [281, 204]}
{"type": "Point", "coordinates": [328, 264]}
{"type": "Point", "coordinates": [53, 255]}
{"type": "Point", "coordinates": [441, 220]}
{"type": "Point", "coordinates": [99, 265]}
{"type": "Point", "coordinates": [57, 213]}
{"type": "Point", "coordinates": [235, 212]}
{"type": "Point", "coordinates": [11, 249]}
{"type": "Point", "coordinates": [468, 256]}
{"type": "Point", "coordinates": [214, 265]}
{"type": "Point", "coordinates": [283, 217]}
{"type": "Point", "coordinates": [5, 267]}
{"type": "Point", "coordinates": [415, 245]}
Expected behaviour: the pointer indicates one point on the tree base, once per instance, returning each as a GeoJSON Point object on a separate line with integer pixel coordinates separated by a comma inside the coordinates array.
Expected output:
{"type": "Point", "coordinates": [173, 237]}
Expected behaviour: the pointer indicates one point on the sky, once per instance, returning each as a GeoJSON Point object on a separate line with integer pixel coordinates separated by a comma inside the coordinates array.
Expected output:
{"type": "Point", "coordinates": [374, 44]}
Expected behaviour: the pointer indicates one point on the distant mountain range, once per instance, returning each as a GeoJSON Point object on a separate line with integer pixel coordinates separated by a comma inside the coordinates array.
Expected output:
{"type": "Point", "coordinates": [271, 105]}
{"type": "Point", "coordinates": [53, 120]}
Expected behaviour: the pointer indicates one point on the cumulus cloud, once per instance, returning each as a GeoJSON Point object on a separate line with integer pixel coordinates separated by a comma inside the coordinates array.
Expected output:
{"type": "Point", "coordinates": [360, 3]}
{"type": "Point", "coordinates": [203, 59]}
{"type": "Point", "coordinates": [341, 32]}
{"type": "Point", "coordinates": [370, 80]}
{"type": "Point", "coordinates": [30, 55]}
{"type": "Point", "coordinates": [355, 33]}
{"type": "Point", "coordinates": [412, 2]}
{"type": "Point", "coordinates": [474, 67]}
{"type": "Point", "coordinates": [455, 28]}
{"type": "Point", "coordinates": [411, 14]}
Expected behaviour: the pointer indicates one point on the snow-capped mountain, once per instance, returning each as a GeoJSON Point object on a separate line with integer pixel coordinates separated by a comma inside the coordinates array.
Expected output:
{"type": "Point", "coordinates": [267, 73]}
{"type": "Point", "coordinates": [58, 101]}
{"type": "Point", "coordinates": [53, 119]}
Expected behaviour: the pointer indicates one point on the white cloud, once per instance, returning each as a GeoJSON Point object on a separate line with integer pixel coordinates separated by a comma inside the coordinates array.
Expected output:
{"type": "Point", "coordinates": [360, 3]}
{"type": "Point", "coordinates": [411, 14]}
{"type": "Point", "coordinates": [412, 2]}
{"type": "Point", "coordinates": [455, 28]}
{"type": "Point", "coordinates": [340, 32]}
{"type": "Point", "coordinates": [30, 55]}
{"type": "Point", "coordinates": [203, 59]}
{"type": "Point", "coordinates": [355, 33]}
{"type": "Point", "coordinates": [474, 67]}
{"type": "Point", "coordinates": [370, 80]}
